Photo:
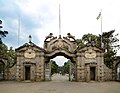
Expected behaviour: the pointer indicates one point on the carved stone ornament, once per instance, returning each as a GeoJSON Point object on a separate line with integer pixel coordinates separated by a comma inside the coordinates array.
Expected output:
{"type": "Point", "coordinates": [29, 53]}
{"type": "Point", "coordinates": [90, 54]}
{"type": "Point", "coordinates": [70, 36]}
{"type": "Point", "coordinates": [59, 44]}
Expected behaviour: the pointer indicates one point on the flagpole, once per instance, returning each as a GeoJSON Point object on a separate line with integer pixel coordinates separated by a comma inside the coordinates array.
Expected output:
{"type": "Point", "coordinates": [59, 23]}
{"type": "Point", "coordinates": [18, 30]}
{"type": "Point", "coordinates": [101, 30]}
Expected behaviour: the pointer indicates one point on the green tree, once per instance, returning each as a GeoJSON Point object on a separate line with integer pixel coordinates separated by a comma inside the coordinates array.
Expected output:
{"type": "Point", "coordinates": [66, 67]}
{"type": "Point", "coordinates": [90, 38]}
{"type": "Point", "coordinates": [9, 55]}
{"type": "Point", "coordinates": [2, 33]}
{"type": "Point", "coordinates": [111, 46]}
{"type": "Point", "coordinates": [54, 67]}
{"type": "Point", "coordinates": [3, 51]}
{"type": "Point", "coordinates": [79, 42]}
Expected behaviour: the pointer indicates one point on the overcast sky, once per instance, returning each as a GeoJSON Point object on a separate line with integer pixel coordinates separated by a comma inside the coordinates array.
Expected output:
{"type": "Point", "coordinates": [41, 17]}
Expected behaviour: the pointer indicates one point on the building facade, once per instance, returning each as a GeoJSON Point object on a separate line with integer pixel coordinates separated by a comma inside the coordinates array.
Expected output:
{"type": "Point", "coordinates": [32, 61]}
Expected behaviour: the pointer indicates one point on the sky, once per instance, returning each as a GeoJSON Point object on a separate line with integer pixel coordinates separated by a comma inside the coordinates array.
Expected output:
{"type": "Point", "coordinates": [38, 18]}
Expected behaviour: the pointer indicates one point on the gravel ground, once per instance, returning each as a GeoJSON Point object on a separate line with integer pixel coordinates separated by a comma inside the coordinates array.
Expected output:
{"type": "Point", "coordinates": [59, 84]}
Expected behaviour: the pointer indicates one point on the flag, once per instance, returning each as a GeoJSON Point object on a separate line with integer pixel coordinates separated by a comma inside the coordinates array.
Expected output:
{"type": "Point", "coordinates": [98, 16]}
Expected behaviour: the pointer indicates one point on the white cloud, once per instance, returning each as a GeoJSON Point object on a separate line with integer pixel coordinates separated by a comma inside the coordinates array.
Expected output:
{"type": "Point", "coordinates": [41, 33]}
{"type": "Point", "coordinates": [78, 17]}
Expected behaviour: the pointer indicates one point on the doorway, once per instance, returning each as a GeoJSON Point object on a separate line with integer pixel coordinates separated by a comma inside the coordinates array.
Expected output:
{"type": "Point", "coordinates": [92, 73]}
{"type": "Point", "coordinates": [27, 72]}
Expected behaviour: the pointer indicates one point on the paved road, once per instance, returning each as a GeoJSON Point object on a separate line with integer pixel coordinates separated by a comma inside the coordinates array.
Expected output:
{"type": "Point", "coordinates": [59, 84]}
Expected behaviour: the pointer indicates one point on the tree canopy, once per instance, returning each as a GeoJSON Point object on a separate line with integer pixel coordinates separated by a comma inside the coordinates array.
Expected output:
{"type": "Point", "coordinates": [54, 67]}
{"type": "Point", "coordinates": [111, 46]}
{"type": "Point", "coordinates": [2, 33]}
{"type": "Point", "coordinates": [8, 54]}
{"type": "Point", "coordinates": [109, 41]}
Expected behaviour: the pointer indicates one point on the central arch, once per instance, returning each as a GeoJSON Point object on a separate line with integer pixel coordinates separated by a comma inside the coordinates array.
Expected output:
{"type": "Point", "coordinates": [60, 53]}
{"type": "Point", "coordinates": [60, 47]}
{"type": "Point", "coordinates": [66, 55]}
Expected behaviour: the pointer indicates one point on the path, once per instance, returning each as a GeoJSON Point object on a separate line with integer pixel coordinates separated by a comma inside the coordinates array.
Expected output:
{"type": "Point", "coordinates": [60, 84]}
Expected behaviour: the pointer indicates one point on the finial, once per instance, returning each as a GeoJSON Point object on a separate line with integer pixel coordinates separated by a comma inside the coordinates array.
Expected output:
{"type": "Point", "coordinates": [59, 36]}
{"type": "Point", "coordinates": [30, 38]}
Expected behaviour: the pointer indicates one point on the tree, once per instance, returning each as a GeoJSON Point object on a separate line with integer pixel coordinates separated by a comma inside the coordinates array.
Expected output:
{"type": "Point", "coordinates": [9, 55]}
{"type": "Point", "coordinates": [79, 42]}
{"type": "Point", "coordinates": [54, 67]}
{"type": "Point", "coordinates": [66, 67]}
{"type": "Point", "coordinates": [2, 33]}
{"type": "Point", "coordinates": [111, 46]}
{"type": "Point", "coordinates": [110, 42]}
{"type": "Point", "coordinates": [3, 51]}
{"type": "Point", "coordinates": [89, 38]}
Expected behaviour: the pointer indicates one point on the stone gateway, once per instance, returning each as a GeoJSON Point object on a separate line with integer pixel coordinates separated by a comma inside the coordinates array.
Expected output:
{"type": "Point", "coordinates": [32, 60]}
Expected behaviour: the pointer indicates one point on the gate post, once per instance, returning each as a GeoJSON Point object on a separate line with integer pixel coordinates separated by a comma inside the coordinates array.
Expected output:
{"type": "Point", "coordinates": [78, 67]}
{"type": "Point", "coordinates": [47, 71]}
{"type": "Point", "coordinates": [42, 59]}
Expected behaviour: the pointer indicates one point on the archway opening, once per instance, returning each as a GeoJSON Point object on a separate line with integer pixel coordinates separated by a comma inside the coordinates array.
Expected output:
{"type": "Point", "coordinates": [118, 71]}
{"type": "Point", "coordinates": [61, 72]}
{"type": "Point", "coordinates": [60, 68]}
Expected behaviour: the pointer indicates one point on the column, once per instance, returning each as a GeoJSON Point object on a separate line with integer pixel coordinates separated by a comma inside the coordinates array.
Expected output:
{"type": "Point", "coordinates": [17, 69]}
{"type": "Point", "coordinates": [78, 67]}
{"type": "Point", "coordinates": [42, 66]}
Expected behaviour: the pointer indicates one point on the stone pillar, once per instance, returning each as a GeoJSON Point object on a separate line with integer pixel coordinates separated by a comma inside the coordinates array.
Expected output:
{"type": "Point", "coordinates": [42, 59]}
{"type": "Point", "coordinates": [100, 67]}
{"type": "Point", "coordinates": [18, 68]}
{"type": "Point", "coordinates": [82, 67]}
{"type": "Point", "coordinates": [87, 72]}
{"type": "Point", "coordinates": [78, 67]}
{"type": "Point", "coordinates": [38, 72]}
{"type": "Point", "coordinates": [21, 72]}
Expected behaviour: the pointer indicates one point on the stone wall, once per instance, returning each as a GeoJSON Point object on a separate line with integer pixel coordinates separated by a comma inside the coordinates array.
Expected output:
{"type": "Point", "coordinates": [12, 73]}
{"type": "Point", "coordinates": [107, 73]}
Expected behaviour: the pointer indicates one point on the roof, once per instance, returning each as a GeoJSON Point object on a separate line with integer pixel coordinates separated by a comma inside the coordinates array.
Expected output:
{"type": "Point", "coordinates": [27, 45]}
{"type": "Point", "coordinates": [83, 48]}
